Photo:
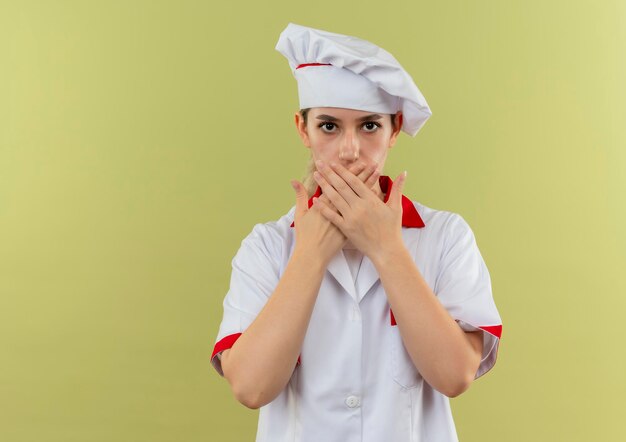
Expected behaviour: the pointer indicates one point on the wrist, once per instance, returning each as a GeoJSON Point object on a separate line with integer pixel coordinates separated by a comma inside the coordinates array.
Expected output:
{"type": "Point", "coordinates": [309, 260]}
{"type": "Point", "coordinates": [388, 252]}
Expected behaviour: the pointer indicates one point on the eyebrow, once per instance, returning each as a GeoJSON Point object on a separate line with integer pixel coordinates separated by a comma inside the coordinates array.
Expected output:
{"type": "Point", "coordinates": [366, 117]}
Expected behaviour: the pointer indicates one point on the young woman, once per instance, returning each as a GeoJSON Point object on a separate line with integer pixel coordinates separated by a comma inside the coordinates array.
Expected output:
{"type": "Point", "coordinates": [356, 315]}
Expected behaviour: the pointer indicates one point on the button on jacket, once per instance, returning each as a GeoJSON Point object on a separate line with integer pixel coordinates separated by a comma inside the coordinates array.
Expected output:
{"type": "Point", "coordinates": [355, 381]}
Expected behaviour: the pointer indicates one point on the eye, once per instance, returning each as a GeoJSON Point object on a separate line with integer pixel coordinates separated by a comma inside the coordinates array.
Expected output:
{"type": "Point", "coordinates": [371, 126]}
{"type": "Point", "coordinates": [327, 126]}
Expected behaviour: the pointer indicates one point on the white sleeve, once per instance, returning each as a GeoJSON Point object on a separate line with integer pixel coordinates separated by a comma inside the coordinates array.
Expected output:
{"type": "Point", "coordinates": [463, 286]}
{"type": "Point", "coordinates": [255, 274]}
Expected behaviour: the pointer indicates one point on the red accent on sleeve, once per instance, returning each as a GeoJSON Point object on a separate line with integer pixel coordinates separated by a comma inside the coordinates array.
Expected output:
{"type": "Point", "coordinates": [228, 341]}
{"type": "Point", "coordinates": [495, 330]}
{"type": "Point", "coordinates": [393, 320]}
{"type": "Point", "coordinates": [225, 343]}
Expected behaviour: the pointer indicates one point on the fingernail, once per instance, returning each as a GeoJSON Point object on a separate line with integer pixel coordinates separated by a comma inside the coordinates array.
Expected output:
{"type": "Point", "coordinates": [294, 185]}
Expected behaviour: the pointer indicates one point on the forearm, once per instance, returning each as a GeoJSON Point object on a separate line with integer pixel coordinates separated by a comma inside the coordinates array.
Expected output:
{"type": "Point", "coordinates": [438, 347]}
{"type": "Point", "coordinates": [262, 360]}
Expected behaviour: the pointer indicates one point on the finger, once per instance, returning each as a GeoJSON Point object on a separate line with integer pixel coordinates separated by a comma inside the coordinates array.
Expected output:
{"type": "Point", "coordinates": [372, 178]}
{"type": "Point", "coordinates": [364, 173]}
{"type": "Point", "coordinates": [320, 203]}
{"type": "Point", "coordinates": [328, 213]}
{"type": "Point", "coordinates": [357, 168]}
{"type": "Point", "coordinates": [369, 175]}
{"type": "Point", "coordinates": [326, 200]}
{"type": "Point", "coordinates": [396, 190]}
{"type": "Point", "coordinates": [301, 198]}
{"type": "Point", "coordinates": [333, 195]}
{"type": "Point", "coordinates": [355, 184]}
{"type": "Point", "coordinates": [339, 183]}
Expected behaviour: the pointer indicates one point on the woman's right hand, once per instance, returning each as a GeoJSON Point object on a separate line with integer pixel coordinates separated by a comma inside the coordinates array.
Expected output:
{"type": "Point", "coordinates": [314, 233]}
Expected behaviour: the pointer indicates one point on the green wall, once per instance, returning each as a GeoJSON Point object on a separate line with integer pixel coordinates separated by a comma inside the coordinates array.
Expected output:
{"type": "Point", "coordinates": [140, 141]}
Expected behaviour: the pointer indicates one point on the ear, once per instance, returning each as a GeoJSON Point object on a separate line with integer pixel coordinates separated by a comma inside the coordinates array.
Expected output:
{"type": "Point", "coordinates": [302, 130]}
{"type": "Point", "coordinates": [398, 124]}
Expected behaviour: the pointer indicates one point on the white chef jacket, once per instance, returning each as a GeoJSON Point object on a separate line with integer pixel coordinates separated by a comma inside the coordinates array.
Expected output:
{"type": "Point", "coordinates": [354, 380]}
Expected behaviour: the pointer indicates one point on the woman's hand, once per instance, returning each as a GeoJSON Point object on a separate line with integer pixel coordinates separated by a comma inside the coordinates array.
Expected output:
{"type": "Point", "coordinates": [368, 175]}
{"type": "Point", "coordinates": [371, 225]}
{"type": "Point", "coordinates": [314, 232]}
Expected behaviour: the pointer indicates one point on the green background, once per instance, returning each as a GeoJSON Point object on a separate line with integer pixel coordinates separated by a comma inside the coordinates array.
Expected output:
{"type": "Point", "coordinates": [140, 141]}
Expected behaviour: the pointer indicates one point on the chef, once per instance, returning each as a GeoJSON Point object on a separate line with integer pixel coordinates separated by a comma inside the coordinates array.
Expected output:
{"type": "Point", "coordinates": [356, 315]}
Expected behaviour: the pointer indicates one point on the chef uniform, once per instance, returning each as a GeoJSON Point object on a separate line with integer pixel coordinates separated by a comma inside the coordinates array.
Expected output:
{"type": "Point", "coordinates": [354, 380]}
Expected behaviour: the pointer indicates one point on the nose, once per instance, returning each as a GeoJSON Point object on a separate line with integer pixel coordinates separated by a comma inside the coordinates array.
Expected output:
{"type": "Point", "coordinates": [349, 148]}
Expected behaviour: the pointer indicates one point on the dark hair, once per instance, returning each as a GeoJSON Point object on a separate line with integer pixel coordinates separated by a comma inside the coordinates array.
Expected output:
{"type": "Point", "coordinates": [305, 112]}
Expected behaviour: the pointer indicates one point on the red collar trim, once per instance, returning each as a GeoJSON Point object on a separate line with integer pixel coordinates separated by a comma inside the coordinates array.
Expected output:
{"type": "Point", "coordinates": [410, 217]}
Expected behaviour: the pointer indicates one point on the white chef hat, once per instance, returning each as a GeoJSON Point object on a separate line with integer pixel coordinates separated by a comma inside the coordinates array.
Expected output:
{"type": "Point", "coordinates": [335, 70]}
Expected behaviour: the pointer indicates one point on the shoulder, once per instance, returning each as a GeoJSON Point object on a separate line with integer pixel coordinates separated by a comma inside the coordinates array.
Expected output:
{"type": "Point", "coordinates": [270, 237]}
{"type": "Point", "coordinates": [440, 223]}
{"type": "Point", "coordinates": [444, 233]}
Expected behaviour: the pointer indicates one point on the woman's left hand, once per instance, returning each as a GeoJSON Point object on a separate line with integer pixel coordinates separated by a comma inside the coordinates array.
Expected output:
{"type": "Point", "coordinates": [373, 227]}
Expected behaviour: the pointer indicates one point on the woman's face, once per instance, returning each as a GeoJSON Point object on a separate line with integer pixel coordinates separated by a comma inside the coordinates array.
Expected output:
{"type": "Point", "coordinates": [346, 136]}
